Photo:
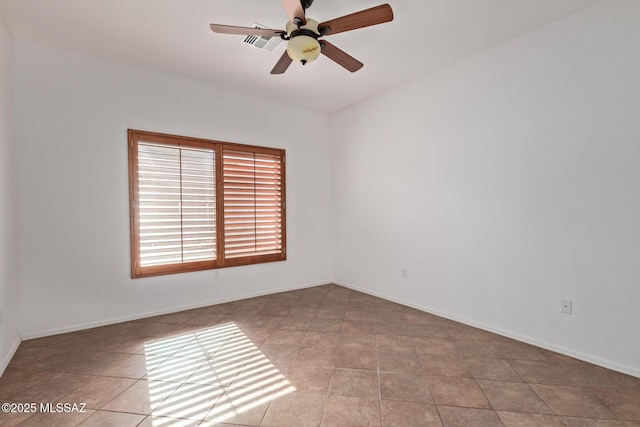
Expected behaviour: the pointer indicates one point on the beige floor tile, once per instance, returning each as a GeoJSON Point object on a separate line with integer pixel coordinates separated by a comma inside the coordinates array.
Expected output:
{"type": "Point", "coordinates": [444, 365]}
{"type": "Point", "coordinates": [295, 324]}
{"type": "Point", "coordinates": [301, 312]}
{"type": "Point", "coordinates": [217, 372]}
{"type": "Point", "coordinates": [457, 392]}
{"type": "Point", "coordinates": [189, 401]}
{"type": "Point", "coordinates": [512, 396]}
{"type": "Point", "coordinates": [96, 392]}
{"type": "Point", "coordinates": [306, 379]}
{"type": "Point", "coordinates": [26, 356]}
{"type": "Point", "coordinates": [142, 397]}
{"type": "Point", "coordinates": [359, 327]}
{"type": "Point", "coordinates": [328, 313]}
{"type": "Point", "coordinates": [540, 372]}
{"type": "Point", "coordinates": [347, 338]}
{"type": "Point", "coordinates": [157, 421]}
{"type": "Point", "coordinates": [50, 387]}
{"type": "Point", "coordinates": [405, 387]}
{"type": "Point", "coordinates": [360, 315]}
{"type": "Point", "coordinates": [395, 360]}
{"type": "Point", "coordinates": [360, 306]}
{"type": "Point", "coordinates": [15, 380]}
{"type": "Point", "coordinates": [283, 337]}
{"type": "Point", "coordinates": [326, 325]}
{"type": "Point", "coordinates": [13, 417]}
{"type": "Point", "coordinates": [115, 419]}
{"type": "Point", "coordinates": [343, 411]}
{"type": "Point", "coordinates": [596, 376]}
{"type": "Point", "coordinates": [295, 409]}
{"type": "Point", "coordinates": [241, 406]}
{"type": "Point", "coordinates": [357, 356]}
{"type": "Point", "coordinates": [519, 419]}
{"type": "Point", "coordinates": [136, 366]}
{"type": "Point", "coordinates": [572, 401]}
{"type": "Point", "coordinates": [432, 345]}
{"type": "Point", "coordinates": [465, 417]}
{"type": "Point", "coordinates": [625, 404]}
{"type": "Point", "coordinates": [317, 356]}
{"type": "Point", "coordinates": [56, 419]}
{"type": "Point", "coordinates": [492, 369]}
{"type": "Point", "coordinates": [321, 339]}
{"type": "Point", "coordinates": [590, 422]}
{"type": "Point", "coordinates": [175, 369]}
{"type": "Point", "coordinates": [407, 414]}
{"type": "Point", "coordinates": [354, 383]}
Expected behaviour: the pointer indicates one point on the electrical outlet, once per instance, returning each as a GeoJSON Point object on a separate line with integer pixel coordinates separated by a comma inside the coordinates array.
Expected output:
{"type": "Point", "coordinates": [405, 273]}
{"type": "Point", "coordinates": [566, 306]}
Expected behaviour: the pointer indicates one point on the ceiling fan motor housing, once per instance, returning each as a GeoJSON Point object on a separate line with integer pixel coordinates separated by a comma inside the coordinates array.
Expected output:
{"type": "Point", "coordinates": [303, 45]}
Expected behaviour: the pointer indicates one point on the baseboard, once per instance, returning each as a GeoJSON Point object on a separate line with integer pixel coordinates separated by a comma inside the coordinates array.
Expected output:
{"type": "Point", "coordinates": [114, 320]}
{"type": "Point", "coordinates": [629, 370]}
{"type": "Point", "coordinates": [7, 358]}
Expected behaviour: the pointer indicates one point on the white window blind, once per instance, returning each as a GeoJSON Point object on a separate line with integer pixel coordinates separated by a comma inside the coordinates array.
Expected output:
{"type": "Point", "coordinates": [176, 204]}
{"type": "Point", "coordinates": [253, 204]}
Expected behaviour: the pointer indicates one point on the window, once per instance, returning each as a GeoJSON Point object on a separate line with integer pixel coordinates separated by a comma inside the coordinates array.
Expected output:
{"type": "Point", "coordinates": [197, 204]}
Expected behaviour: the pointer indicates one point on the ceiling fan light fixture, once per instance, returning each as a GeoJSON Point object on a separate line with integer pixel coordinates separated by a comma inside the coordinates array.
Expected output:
{"type": "Point", "coordinates": [303, 49]}
{"type": "Point", "coordinates": [303, 43]}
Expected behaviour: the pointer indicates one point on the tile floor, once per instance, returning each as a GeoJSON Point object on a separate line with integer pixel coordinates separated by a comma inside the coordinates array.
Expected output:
{"type": "Point", "coordinates": [324, 356]}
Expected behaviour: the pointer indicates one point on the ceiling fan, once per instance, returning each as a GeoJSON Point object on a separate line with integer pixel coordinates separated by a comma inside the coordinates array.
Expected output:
{"type": "Point", "coordinates": [303, 34]}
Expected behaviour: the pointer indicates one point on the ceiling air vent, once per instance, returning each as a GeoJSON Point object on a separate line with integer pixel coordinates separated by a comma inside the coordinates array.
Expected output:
{"type": "Point", "coordinates": [261, 42]}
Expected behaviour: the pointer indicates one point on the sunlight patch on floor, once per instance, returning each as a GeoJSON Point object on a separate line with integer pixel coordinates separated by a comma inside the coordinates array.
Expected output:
{"type": "Point", "coordinates": [223, 377]}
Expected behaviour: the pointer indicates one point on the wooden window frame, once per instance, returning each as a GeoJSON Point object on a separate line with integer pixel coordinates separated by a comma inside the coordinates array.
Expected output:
{"type": "Point", "coordinates": [218, 147]}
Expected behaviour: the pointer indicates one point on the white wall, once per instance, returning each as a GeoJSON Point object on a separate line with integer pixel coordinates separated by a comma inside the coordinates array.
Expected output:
{"type": "Point", "coordinates": [71, 118]}
{"type": "Point", "coordinates": [9, 338]}
{"type": "Point", "coordinates": [503, 184]}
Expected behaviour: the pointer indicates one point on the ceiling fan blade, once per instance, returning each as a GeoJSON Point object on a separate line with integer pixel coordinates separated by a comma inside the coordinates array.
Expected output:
{"type": "Point", "coordinates": [340, 57]}
{"type": "Point", "coordinates": [246, 31]}
{"type": "Point", "coordinates": [364, 18]}
{"type": "Point", "coordinates": [294, 10]}
{"type": "Point", "coordinates": [282, 64]}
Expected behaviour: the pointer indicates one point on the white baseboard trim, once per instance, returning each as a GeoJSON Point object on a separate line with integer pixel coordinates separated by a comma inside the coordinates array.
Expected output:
{"type": "Point", "coordinates": [7, 358]}
{"type": "Point", "coordinates": [114, 320]}
{"type": "Point", "coordinates": [629, 370]}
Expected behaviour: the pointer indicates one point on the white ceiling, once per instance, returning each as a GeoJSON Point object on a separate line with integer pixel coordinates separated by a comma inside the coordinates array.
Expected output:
{"type": "Point", "coordinates": [174, 35]}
